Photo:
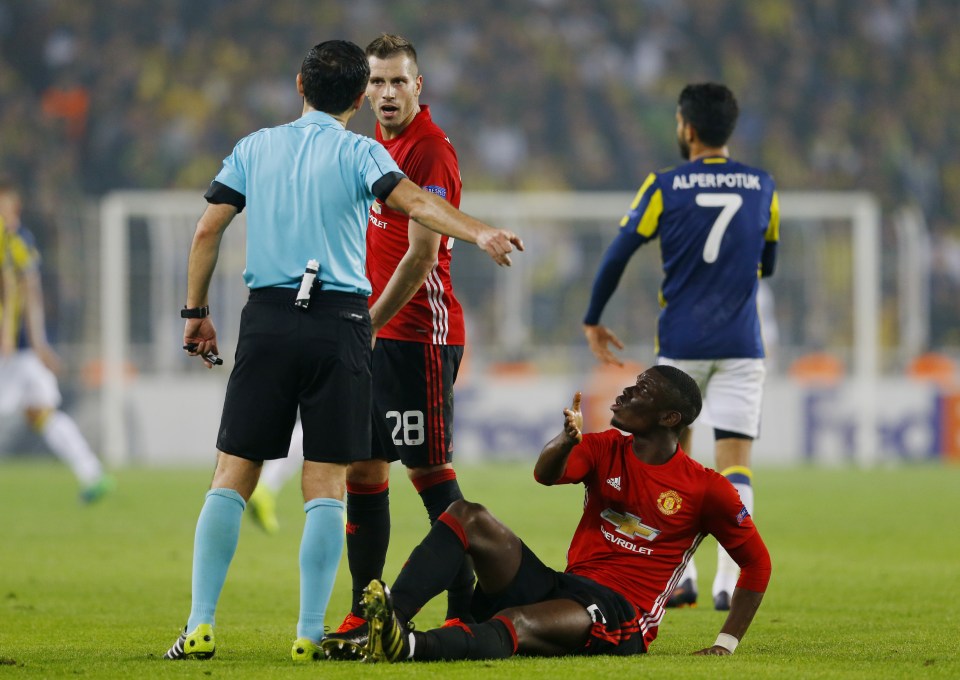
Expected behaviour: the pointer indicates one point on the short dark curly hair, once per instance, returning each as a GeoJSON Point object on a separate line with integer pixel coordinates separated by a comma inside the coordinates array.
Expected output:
{"type": "Point", "coordinates": [683, 394]}
{"type": "Point", "coordinates": [711, 109]}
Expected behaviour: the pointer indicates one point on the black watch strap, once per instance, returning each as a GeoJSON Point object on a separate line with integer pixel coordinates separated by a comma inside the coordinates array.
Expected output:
{"type": "Point", "coordinates": [195, 312]}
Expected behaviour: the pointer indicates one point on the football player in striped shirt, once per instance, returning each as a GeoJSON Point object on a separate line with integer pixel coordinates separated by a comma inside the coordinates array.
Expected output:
{"type": "Point", "coordinates": [28, 364]}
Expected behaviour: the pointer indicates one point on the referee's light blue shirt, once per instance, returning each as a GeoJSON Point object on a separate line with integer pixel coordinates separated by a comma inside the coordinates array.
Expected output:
{"type": "Point", "coordinates": [308, 186]}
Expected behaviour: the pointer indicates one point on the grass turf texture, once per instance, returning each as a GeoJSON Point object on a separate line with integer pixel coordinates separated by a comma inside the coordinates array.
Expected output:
{"type": "Point", "coordinates": [866, 579]}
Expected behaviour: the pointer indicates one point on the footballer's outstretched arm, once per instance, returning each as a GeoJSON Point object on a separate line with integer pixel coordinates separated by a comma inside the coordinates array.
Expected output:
{"type": "Point", "coordinates": [615, 260]}
{"type": "Point", "coordinates": [437, 215]}
{"type": "Point", "coordinates": [552, 462]}
{"type": "Point", "coordinates": [754, 561]}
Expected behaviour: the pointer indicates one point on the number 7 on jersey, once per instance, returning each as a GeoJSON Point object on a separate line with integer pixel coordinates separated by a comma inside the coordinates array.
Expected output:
{"type": "Point", "coordinates": [729, 204]}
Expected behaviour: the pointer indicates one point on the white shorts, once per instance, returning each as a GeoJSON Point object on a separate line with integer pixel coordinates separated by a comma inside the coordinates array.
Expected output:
{"type": "Point", "coordinates": [732, 391]}
{"type": "Point", "coordinates": [26, 383]}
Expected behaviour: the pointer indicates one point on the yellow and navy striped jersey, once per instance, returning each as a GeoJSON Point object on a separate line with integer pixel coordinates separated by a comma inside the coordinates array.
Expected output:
{"type": "Point", "coordinates": [18, 251]}
{"type": "Point", "coordinates": [718, 222]}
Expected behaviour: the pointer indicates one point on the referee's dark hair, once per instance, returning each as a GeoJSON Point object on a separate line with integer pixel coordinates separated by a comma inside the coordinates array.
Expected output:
{"type": "Point", "coordinates": [711, 109]}
{"type": "Point", "coordinates": [334, 73]}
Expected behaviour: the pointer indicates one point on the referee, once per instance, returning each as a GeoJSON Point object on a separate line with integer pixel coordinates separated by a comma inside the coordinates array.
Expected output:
{"type": "Point", "coordinates": [308, 187]}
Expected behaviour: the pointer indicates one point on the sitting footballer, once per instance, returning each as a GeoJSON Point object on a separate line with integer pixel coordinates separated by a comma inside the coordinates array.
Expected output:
{"type": "Point", "coordinates": [648, 506]}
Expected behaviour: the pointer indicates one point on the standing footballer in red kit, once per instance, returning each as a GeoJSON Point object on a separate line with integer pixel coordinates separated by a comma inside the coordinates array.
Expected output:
{"type": "Point", "coordinates": [418, 350]}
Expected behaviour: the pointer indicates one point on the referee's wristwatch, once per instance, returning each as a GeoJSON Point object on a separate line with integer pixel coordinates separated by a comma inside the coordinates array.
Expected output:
{"type": "Point", "coordinates": [195, 312]}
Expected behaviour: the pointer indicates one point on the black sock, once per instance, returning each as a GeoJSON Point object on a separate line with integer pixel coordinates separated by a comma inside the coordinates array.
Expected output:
{"type": "Point", "coordinates": [437, 491]}
{"type": "Point", "coordinates": [491, 639]}
{"type": "Point", "coordinates": [430, 569]}
{"type": "Point", "coordinates": [368, 536]}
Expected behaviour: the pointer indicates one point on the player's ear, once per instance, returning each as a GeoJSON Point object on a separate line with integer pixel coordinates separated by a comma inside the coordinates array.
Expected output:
{"type": "Point", "coordinates": [670, 419]}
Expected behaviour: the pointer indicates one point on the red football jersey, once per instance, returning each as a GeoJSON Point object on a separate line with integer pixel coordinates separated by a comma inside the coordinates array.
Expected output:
{"type": "Point", "coordinates": [641, 523]}
{"type": "Point", "coordinates": [433, 315]}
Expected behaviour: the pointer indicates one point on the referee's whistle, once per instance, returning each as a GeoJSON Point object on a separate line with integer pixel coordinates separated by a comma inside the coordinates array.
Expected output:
{"type": "Point", "coordinates": [306, 284]}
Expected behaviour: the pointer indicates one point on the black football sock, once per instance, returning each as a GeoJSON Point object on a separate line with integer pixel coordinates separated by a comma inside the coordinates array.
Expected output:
{"type": "Point", "coordinates": [493, 639]}
{"type": "Point", "coordinates": [368, 535]}
{"type": "Point", "coordinates": [437, 491]}
{"type": "Point", "coordinates": [431, 567]}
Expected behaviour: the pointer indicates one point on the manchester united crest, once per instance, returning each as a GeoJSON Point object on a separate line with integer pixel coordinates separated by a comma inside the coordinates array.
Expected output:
{"type": "Point", "coordinates": [669, 502]}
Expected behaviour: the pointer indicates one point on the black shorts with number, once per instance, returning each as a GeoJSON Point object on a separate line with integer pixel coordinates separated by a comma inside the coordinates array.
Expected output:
{"type": "Point", "coordinates": [615, 629]}
{"type": "Point", "coordinates": [413, 401]}
{"type": "Point", "coordinates": [316, 360]}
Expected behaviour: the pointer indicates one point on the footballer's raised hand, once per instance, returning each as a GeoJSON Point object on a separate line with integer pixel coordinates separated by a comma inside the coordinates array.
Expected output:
{"type": "Point", "coordinates": [498, 243]}
{"type": "Point", "coordinates": [573, 419]}
{"type": "Point", "coordinates": [599, 338]}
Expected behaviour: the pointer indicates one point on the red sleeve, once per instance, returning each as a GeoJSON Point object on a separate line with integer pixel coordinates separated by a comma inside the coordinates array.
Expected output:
{"type": "Point", "coordinates": [754, 561]}
{"type": "Point", "coordinates": [726, 518]}
{"type": "Point", "coordinates": [433, 163]}
{"type": "Point", "coordinates": [581, 460]}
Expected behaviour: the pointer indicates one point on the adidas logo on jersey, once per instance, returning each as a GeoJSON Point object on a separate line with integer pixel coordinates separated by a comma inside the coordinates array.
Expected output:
{"type": "Point", "coordinates": [614, 482]}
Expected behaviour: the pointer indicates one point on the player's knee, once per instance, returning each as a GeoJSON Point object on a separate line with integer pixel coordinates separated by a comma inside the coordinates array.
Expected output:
{"type": "Point", "coordinates": [373, 471]}
{"type": "Point", "coordinates": [521, 622]}
{"type": "Point", "coordinates": [473, 517]}
{"type": "Point", "coordinates": [37, 417]}
{"type": "Point", "coordinates": [529, 636]}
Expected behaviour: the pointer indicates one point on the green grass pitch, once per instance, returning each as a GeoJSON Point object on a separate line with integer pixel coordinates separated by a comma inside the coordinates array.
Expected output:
{"type": "Point", "coordinates": [866, 580]}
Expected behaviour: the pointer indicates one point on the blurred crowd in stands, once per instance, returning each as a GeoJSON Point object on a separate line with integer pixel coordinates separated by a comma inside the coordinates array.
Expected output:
{"type": "Point", "coordinates": [536, 94]}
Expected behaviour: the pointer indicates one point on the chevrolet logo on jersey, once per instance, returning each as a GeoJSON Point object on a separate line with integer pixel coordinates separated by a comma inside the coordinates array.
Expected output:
{"type": "Point", "coordinates": [629, 525]}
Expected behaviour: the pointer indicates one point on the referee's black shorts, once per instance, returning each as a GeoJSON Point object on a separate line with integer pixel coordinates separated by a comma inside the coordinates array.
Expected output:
{"type": "Point", "coordinates": [315, 359]}
{"type": "Point", "coordinates": [615, 629]}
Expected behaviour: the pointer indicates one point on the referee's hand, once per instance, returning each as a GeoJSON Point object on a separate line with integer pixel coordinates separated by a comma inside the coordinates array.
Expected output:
{"type": "Point", "coordinates": [200, 339]}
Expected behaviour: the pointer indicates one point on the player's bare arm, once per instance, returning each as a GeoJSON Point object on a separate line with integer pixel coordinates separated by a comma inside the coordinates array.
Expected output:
{"type": "Point", "coordinates": [200, 334]}
{"type": "Point", "coordinates": [599, 338]}
{"type": "Point", "coordinates": [743, 607]}
{"type": "Point", "coordinates": [34, 320]}
{"type": "Point", "coordinates": [8, 286]}
{"type": "Point", "coordinates": [753, 558]}
{"type": "Point", "coordinates": [411, 272]}
{"type": "Point", "coordinates": [437, 215]}
{"type": "Point", "coordinates": [553, 458]}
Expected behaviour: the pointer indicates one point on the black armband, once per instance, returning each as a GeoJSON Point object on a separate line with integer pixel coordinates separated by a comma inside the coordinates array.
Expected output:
{"type": "Point", "coordinates": [384, 186]}
{"type": "Point", "coordinates": [219, 193]}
